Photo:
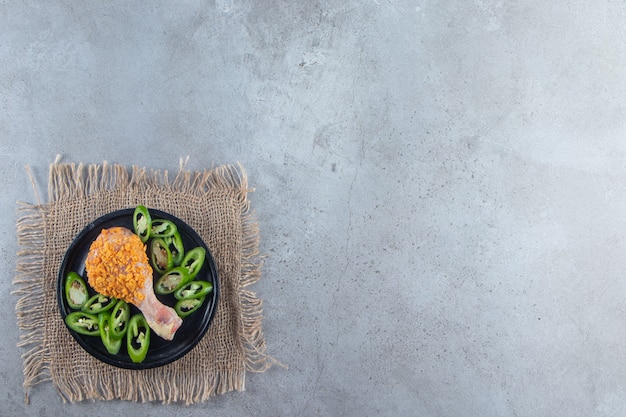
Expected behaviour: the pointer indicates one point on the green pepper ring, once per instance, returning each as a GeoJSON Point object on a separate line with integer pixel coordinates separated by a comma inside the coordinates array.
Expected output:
{"type": "Point", "coordinates": [95, 306]}
{"type": "Point", "coordinates": [193, 261]}
{"type": "Point", "coordinates": [83, 323]}
{"type": "Point", "coordinates": [204, 288]}
{"type": "Point", "coordinates": [120, 315]}
{"type": "Point", "coordinates": [111, 344]}
{"type": "Point", "coordinates": [75, 284]}
{"type": "Point", "coordinates": [176, 247]}
{"type": "Point", "coordinates": [142, 223]}
{"type": "Point", "coordinates": [179, 274]}
{"type": "Point", "coordinates": [159, 250]}
{"type": "Point", "coordinates": [137, 343]}
{"type": "Point", "coordinates": [187, 306]}
{"type": "Point", "coordinates": [162, 228]}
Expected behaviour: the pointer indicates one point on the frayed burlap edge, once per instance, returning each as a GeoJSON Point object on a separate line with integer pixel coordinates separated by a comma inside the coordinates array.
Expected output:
{"type": "Point", "coordinates": [68, 181]}
{"type": "Point", "coordinates": [29, 288]}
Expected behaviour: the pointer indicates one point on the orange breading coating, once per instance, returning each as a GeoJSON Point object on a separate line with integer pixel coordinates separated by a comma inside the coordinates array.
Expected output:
{"type": "Point", "coordinates": [117, 263]}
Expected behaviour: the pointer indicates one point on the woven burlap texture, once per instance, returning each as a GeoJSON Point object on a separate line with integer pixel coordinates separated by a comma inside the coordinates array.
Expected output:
{"type": "Point", "coordinates": [215, 204]}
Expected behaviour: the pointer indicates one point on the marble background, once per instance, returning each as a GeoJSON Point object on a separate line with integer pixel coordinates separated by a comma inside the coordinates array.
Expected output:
{"type": "Point", "coordinates": [440, 187]}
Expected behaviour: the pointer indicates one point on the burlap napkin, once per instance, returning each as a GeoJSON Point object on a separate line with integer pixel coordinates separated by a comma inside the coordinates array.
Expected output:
{"type": "Point", "coordinates": [215, 204]}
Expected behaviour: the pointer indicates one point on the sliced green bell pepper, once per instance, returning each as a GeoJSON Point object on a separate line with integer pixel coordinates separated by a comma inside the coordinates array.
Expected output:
{"type": "Point", "coordinates": [142, 223]}
{"type": "Point", "coordinates": [76, 293]}
{"type": "Point", "coordinates": [83, 323]}
{"type": "Point", "coordinates": [193, 289]}
{"type": "Point", "coordinates": [160, 256]}
{"type": "Point", "coordinates": [138, 338]}
{"type": "Point", "coordinates": [162, 228]}
{"type": "Point", "coordinates": [118, 322]}
{"type": "Point", "coordinates": [187, 306]}
{"type": "Point", "coordinates": [172, 280]}
{"type": "Point", "coordinates": [111, 344]}
{"type": "Point", "coordinates": [98, 304]}
{"type": "Point", "coordinates": [193, 261]}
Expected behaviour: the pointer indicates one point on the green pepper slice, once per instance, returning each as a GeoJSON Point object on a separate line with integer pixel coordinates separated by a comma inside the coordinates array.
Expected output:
{"type": "Point", "coordinates": [160, 256]}
{"type": "Point", "coordinates": [118, 323]}
{"type": "Point", "coordinates": [76, 292]}
{"type": "Point", "coordinates": [193, 289]}
{"type": "Point", "coordinates": [142, 223]}
{"type": "Point", "coordinates": [162, 228]}
{"type": "Point", "coordinates": [138, 338]}
{"type": "Point", "coordinates": [99, 303]}
{"type": "Point", "coordinates": [172, 280]}
{"type": "Point", "coordinates": [112, 345]}
{"type": "Point", "coordinates": [193, 261]}
{"type": "Point", "coordinates": [175, 245]}
{"type": "Point", "coordinates": [83, 323]}
{"type": "Point", "coordinates": [187, 306]}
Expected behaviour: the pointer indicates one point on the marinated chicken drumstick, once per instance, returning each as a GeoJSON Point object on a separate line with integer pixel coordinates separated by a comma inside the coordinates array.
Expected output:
{"type": "Point", "coordinates": [117, 266]}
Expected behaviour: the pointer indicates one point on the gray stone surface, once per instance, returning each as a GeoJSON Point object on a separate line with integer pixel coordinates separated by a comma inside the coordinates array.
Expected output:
{"type": "Point", "coordinates": [440, 187]}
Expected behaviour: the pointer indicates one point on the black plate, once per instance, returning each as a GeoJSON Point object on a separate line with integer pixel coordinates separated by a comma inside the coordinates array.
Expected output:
{"type": "Point", "coordinates": [161, 352]}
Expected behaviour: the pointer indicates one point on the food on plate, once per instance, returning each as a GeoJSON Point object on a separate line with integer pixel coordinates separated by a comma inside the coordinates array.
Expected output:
{"type": "Point", "coordinates": [138, 338]}
{"type": "Point", "coordinates": [175, 245]}
{"type": "Point", "coordinates": [162, 228]}
{"type": "Point", "coordinates": [119, 273]}
{"type": "Point", "coordinates": [171, 280]}
{"type": "Point", "coordinates": [193, 289]}
{"type": "Point", "coordinates": [160, 255]}
{"type": "Point", "coordinates": [83, 323]}
{"type": "Point", "coordinates": [120, 315]}
{"type": "Point", "coordinates": [193, 261]}
{"type": "Point", "coordinates": [142, 223]}
{"type": "Point", "coordinates": [187, 306]}
{"type": "Point", "coordinates": [111, 344]}
{"type": "Point", "coordinates": [76, 291]}
{"type": "Point", "coordinates": [117, 266]}
{"type": "Point", "coordinates": [99, 304]}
